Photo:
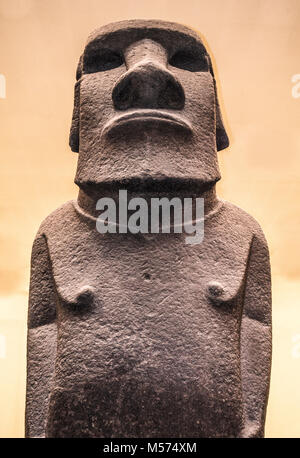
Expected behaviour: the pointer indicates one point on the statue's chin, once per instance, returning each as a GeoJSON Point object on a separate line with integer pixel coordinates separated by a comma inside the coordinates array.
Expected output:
{"type": "Point", "coordinates": [159, 155]}
{"type": "Point", "coordinates": [149, 184]}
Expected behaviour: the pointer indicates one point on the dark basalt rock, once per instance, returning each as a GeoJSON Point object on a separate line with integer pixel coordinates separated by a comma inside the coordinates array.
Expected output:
{"type": "Point", "coordinates": [143, 335]}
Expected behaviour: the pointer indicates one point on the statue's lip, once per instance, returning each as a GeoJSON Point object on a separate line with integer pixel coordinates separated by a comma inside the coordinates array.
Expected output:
{"type": "Point", "coordinates": [142, 115]}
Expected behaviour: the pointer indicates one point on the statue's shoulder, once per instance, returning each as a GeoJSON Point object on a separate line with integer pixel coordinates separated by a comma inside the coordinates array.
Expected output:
{"type": "Point", "coordinates": [63, 217]}
{"type": "Point", "coordinates": [237, 219]}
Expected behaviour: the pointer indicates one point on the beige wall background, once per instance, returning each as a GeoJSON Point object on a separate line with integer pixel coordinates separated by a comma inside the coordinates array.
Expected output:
{"type": "Point", "coordinates": [256, 45]}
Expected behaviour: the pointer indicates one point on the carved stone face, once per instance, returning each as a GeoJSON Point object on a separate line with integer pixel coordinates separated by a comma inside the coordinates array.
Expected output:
{"type": "Point", "coordinates": [146, 108]}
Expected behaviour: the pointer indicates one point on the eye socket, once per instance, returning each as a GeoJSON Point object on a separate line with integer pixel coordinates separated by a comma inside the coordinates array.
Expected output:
{"type": "Point", "coordinates": [101, 60]}
{"type": "Point", "coordinates": [190, 61]}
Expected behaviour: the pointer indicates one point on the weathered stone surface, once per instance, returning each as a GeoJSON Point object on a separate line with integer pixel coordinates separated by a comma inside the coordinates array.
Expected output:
{"type": "Point", "coordinates": [142, 335]}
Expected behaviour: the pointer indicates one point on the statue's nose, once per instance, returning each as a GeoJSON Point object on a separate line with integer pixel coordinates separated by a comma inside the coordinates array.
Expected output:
{"type": "Point", "coordinates": [147, 83]}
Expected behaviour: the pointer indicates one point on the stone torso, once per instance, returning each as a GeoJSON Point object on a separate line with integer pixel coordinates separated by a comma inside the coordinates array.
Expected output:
{"type": "Point", "coordinates": [148, 328]}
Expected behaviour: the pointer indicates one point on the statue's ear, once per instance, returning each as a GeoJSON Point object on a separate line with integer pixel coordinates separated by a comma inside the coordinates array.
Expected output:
{"type": "Point", "coordinates": [74, 131]}
{"type": "Point", "coordinates": [222, 139]}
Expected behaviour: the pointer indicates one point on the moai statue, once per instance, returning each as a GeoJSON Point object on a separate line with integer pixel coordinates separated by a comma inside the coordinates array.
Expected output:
{"type": "Point", "coordinates": [144, 335]}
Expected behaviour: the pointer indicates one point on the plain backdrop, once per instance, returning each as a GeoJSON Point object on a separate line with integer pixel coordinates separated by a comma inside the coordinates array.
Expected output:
{"type": "Point", "coordinates": [255, 45]}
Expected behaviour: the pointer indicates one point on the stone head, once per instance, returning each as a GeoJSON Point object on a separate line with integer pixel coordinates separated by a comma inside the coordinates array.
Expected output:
{"type": "Point", "coordinates": [146, 109]}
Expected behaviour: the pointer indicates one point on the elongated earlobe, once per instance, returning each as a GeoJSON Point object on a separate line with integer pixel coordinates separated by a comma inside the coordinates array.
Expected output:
{"type": "Point", "coordinates": [222, 139]}
{"type": "Point", "coordinates": [74, 131]}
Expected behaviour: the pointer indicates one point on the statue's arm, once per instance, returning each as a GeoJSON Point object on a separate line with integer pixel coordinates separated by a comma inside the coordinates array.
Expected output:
{"type": "Point", "coordinates": [41, 339]}
{"type": "Point", "coordinates": [256, 338]}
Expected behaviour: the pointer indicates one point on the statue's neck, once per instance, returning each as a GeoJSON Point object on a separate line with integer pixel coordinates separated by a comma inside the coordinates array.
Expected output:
{"type": "Point", "coordinates": [87, 200]}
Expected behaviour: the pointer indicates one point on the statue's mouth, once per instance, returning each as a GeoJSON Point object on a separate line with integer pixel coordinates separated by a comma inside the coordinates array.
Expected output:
{"type": "Point", "coordinates": [146, 116]}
